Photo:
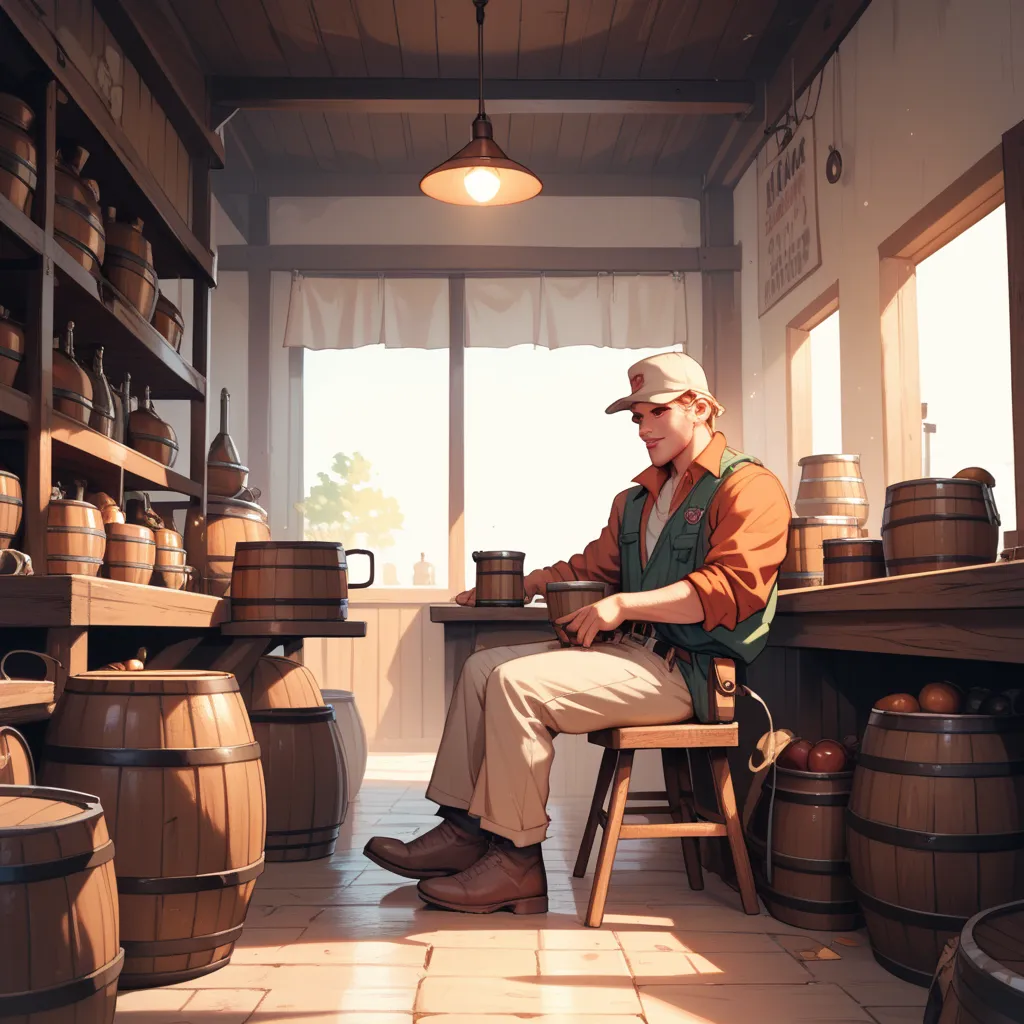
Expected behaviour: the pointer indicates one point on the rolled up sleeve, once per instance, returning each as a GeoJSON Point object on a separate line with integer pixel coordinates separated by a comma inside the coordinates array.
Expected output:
{"type": "Point", "coordinates": [749, 530]}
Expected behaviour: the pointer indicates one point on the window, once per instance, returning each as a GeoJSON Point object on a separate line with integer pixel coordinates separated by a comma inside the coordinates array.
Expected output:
{"type": "Point", "coordinates": [963, 324]}
{"type": "Point", "coordinates": [543, 461]}
{"type": "Point", "coordinates": [826, 390]}
{"type": "Point", "coordinates": [376, 429]}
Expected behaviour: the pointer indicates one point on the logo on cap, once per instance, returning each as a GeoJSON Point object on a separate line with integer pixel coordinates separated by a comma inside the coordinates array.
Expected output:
{"type": "Point", "coordinates": [693, 515]}
{"type": "Point", "coordinates": [636, 382]}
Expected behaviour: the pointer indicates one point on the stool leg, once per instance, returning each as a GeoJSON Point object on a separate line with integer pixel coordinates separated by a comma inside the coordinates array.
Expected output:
{"type": "Point", "coordinates": [610, 839]}
{"type": "Point", "coordinates": [673, 764]}
{"type": "Point", "coordinates": [734, 830]}
{"type": "Point", "coordinates": [604, 780]}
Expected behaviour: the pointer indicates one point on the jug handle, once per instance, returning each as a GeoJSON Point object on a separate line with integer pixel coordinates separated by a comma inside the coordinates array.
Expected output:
{"type": "Point", "coordinates": [369, 554]}
{"type": "Point", "coordinates": [39, 654]}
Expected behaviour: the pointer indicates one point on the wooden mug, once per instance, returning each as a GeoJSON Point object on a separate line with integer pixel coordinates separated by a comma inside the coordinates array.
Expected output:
{"type": "Point", "coordinates": [570, 596]}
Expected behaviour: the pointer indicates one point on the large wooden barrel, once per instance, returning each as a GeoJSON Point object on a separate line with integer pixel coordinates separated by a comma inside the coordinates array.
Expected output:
{"type": "Point", "coordinates": [351, 736]}
{"type": "Point", "coordinates": [810, 884]}
{"type": "Point", "coordinates": [566, 597]}
{"type": "Point", "coordinates": [10, 508]}
{"type": "Point", "coordinates": [16, 765]}
{"type": "Point", "coordinates": [58, 902]}
{"type": "Point", "coordinates": [804, 564]}
{"type": "Point", "coordinates": [499, 579]}
{"type": "Point", "coordinates": [18, 159]}
{"type": "Point", "coordinates": [12, 344]}
{"type": "Point", "coordinates": [938, 524]}
{"type": "Point", "coordinates": [274, 581]}
{"type": "Point", "coordinates": [211, 541]}
{"type": "Point", "coordinates": [831, 485]}
{"type": "Point", "coordinates": [128, 265]}
{"type": "Point", "coordinates": [935, 830]}
{"type": "Point", "coordinates": [131, 552]}
{"type": "Point", "coordinates": [77, 218]}
{"type": "Point", "coordinates": [851, 559]}
{"type": "Point", "coordinates": [280, 683]}
{"type": "Point", "coordinates": [75, 538]}
{"type": "Point", "coordinates": [988, 976]}
{"type": "Point", "coordinates": [171, 756]}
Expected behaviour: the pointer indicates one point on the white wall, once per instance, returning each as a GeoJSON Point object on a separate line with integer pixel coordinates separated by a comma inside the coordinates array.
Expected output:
{"type": "Point", "coordinates": [926, 89]}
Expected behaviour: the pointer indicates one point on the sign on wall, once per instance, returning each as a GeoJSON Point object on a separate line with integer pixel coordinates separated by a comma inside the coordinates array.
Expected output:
{"type": "Point", "coordinates": [788, 247]}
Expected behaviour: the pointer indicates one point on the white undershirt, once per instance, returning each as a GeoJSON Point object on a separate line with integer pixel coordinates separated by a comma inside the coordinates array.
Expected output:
{"type": "Point", "coordinates": [660, 512]}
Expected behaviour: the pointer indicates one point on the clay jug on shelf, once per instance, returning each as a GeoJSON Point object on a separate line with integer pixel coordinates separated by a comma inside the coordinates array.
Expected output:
{"type": "Point", "coordinates": [109, 509]}
{"type": "Point", "coordinates": [128, 265]}
{"type": "Point", "coordinates": [225, 474]}
{"type": "Point", "coordinates": [77, 219]}
{"type": "Point", "coordinates": [17, 152]}
{"type": "Point", "coordinates": [150, 435]}
{"type": "Point", "coordinates": [168, 321]}
{"type": "Point", "coordinates": [102, 417]}
{"type": "Point", "coordinates": [12, 343]}
{"type": "Point", "coordinates": [72, 389]}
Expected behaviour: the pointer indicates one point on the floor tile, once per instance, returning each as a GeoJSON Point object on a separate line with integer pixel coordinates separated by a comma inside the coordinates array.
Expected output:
{"type": "Point", "coordinates": [560, 963]}
{"type": "Point", "coordinates": [312, 950]}
{"type": "Point", "coordinates": [501, 995]}
{"type": "Point", "coordinates": [577, 938]}
{"type": "Point", "coordinates": [691, 941]}
{"type": "Point", "coordinates": [886, 993]}
{"type": "Point", "coordinates": [496, 962]}
{"type": "Point", "coordinates": [747, 1004]}
{"type": "Point", "coordinates": [896, 1014]}
{"type": "Point", "coordinates": [717, 968]}
{"type": "Point", "coordinates": [151, 1000]}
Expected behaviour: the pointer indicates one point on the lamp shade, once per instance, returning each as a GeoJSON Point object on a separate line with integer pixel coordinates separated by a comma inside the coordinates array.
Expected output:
{"type": "Point", "coordinates": [480, 174]}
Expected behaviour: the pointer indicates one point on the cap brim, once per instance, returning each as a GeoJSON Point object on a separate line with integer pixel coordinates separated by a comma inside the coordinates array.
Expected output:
{"type": "Point", "coordinates": [657, 398]}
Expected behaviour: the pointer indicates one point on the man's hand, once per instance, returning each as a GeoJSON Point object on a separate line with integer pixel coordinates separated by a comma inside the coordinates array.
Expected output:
{"type": "Point", "coordinates": [466, 597]}
{"type": "Point", "coordinates": [588, 621]}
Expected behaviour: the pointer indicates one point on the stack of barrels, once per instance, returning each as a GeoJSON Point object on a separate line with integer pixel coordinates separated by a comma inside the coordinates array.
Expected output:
{"type": "Point", "coordinates": [307, 789]}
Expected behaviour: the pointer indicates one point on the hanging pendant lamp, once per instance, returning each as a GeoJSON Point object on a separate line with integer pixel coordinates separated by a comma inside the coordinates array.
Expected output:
{"type": "Point", "coordinates": [480, 174]}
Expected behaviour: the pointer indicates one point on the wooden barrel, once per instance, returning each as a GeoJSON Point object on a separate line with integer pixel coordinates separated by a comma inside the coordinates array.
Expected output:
{"type": "Point", "coordinates": [566, 597]}
{"type": "Point", "coordinates": [988, 976]}
{"type": "Point", "coordinates": [938, 524]}
{"type": "Point", "coordinates": [75, 538]}
{"type": "Point", "coordinates": [168, 321]}
{"type": "Point", "coordinates": [18, 158]}
{"type": "Point", "coordinates": [810, 884]}
{"type": "Point", "coordinates": [831, 485]}
{"type": "Point", "coordinates": [804, 564]}
{"type": "Point", "coordinates": [77, 223]}
{"type": "Point", "coordinates": [351, 736]}
{"type": "Point", "coordinates": [131, 552]}
{"type": "Point", "coordinates": [58, 895]}
{"type": "Point", "coordinates": [935, 829]}
{"type": "Point", "coordinates": [499, 579]}
{"type": "Point", "coordinates": [12, 344]}
{"type": "Point", "coordinates": [211, 541]}
{"type": "Point", "coordinates": [16, 765]}
{"type": "Point", "coordinates": [280, 683]}
{"type": "Point", "coordinates": [172, 758]}
{"type": "Point", "coordinates": [305, 776]}
{"type": "Point", "coordinates": [10, 508]}
{"type": "Point", "coordinates": [849, 559]}
{"type": "Point", "coordinates": [170, 549]}
{"type": "Point", "coordinates": [128, 265]}
{"type": "Point", "coordinates": [274, 581]}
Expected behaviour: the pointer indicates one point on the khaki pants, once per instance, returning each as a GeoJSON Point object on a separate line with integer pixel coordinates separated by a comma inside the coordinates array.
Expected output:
{"type": "Point", "coordinates": [496, 751]}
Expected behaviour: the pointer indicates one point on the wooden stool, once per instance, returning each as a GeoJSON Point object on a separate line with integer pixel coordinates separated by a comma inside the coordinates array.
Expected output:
{"type": "Point", "coordinates": [674, 742]}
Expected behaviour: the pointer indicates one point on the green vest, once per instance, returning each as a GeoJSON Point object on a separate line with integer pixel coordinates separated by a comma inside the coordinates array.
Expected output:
{"type": "Point", "coordinates": [682, 548]}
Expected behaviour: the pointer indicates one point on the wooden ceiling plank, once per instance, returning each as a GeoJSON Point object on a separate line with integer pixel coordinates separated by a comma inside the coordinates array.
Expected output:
{"type": "Point", "coordinates": [258, 126]}
{"type": "Point", "coordinates": [501, 39]}
{"type": "Point", "coordinates": [599, 146]}
{"type": "Point", "coordinates": [593, 40]}
{"type": "Point", "coordinates": [500, 124]}
{"type": "Point", "coordinates": [378, 32]}
{"type": "Point", "coordinates": [458, 131]}
{"type": "Point", "coordinates": [417, 38]}
{"type": "Point", "coordinates": [544, 150]}
{"type": "Point", "coordinates": [456, 38]}
{"type": "Point", "coordinates": [683, 142]}
{"type": "Point", "coordinates": [520, 137]}
{"type": "Point", "coordinates": [349, 152]}
{"type": "Point", "coordinates": [251, 28]}
{"type": "Point", "coordinates": [339, 31]}
{"type": "Point", "coordinates": [389, 142]}
{"type": "Point", "coordinates": [571, 140]}
{"type": "Point", "coordinates": [650, 141]}
{"type": "Point", "coordinates": [628, 132]}
{"type": "Point", "coordinates": [298, 37]}
{"type": "Point", "coordinates": [362, 138]}
{"type": "Point", "coordinates": [738, 43]}
{"type": "Point", "coordinates": [292, 141]}
{"type": "Point", "coordinates": [541, 34]}
{"type": "Point", "coordinates": [628, 38]}
{"type": "Point", "coordinates": [705, 34]}
{"type": "Point", "coordinates": [672, 28]}
{"type": "Point", "coordinates": [429, 140]}
{"type": "Point", "coordinates": [211, 36]}
{"type": "Point", "coordinates": [320, 141]}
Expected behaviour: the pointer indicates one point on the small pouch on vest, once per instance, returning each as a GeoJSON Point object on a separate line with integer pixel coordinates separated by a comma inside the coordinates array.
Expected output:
{"type": "Point", "coordinates": [722, 695]}
{"type": "Point", "coordinates": [682, 547]}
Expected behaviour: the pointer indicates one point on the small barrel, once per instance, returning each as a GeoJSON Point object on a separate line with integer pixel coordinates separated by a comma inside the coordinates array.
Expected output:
{"type": "Point", "coordinates": [569, 596]}
{"type": "Point", "coordinates": [168, 321]}
{"type": "Point", "coordinates": [11, 507]}
{"type": "Point", "coordinates": [131, 553]}
{"type": "Point", "coordinates": [499, 579]}
{"type": "Point", "coordinates": [12, 341]}
{"type": "Point", "coordinates": [351, 736]}
{"type": "Point", "coordinates": [62, 955]}
{"type": "Point", "coordinates": [850, 559]}
{"type": "Point", "coordinates": [77, 223]}
{"type": "Point", "coordinates": [274, 581]}
{"type": "Point", "coordinates": [170, 549]}
{"type": "Point", "coordinates": [75, 538]}
{"type": "Point", "coordinates": [280, 683]}
{"type": "Point", "coordinates": [804, 564]}
{"type": "Point", "coordinates": [16, 765]}
{"type": "Point", "coordinates": [172, 758]}
{"type": "Point", "coordinates": [810, 884]}
{"type": "Point", "coordinates": [988, 974]}
{"type": "Point", "coordinates": [212, 541]}
{"type": "Point", "coordinates": [831, 485]}
{"type": "Point", "coordinates": [18, 158]}
{"type": "Point", "coordinates": [128, 265]}
{"type": "Point", "coordinates": [938, 524]}
{"type": "Point", "coordinates": [935, 830]}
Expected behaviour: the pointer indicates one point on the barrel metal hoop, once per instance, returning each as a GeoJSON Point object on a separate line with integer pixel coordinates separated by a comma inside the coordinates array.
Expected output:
{"type": "Point", "coordinates": [297, 601]}
{"type": "Point", "coordinates": [915, 977]}
{"type": "Point", "coordinates": [809, 906]}
{"type": "Point", "coordinates": [13, 164]}
{"type": "Point", "coordinates": [490, 603]}
{"type": "Point", "coordinates": [73, 396]}
{"type": "Point", "coordinates": [11, 353]}
{"type": "Point", "coordinates": [196, 687]}
{"type": "Point", "coordinates": [916, 918]}
{"type": "Point", "coordinates": [138, 540]}
{"type": "Point", "coordinates": [20, 1004]}
{"type": "Point", "coordinates": [13, 874]}
{"type": "Point", "coordinates": [936, 842]}
{"type": "Point", "coordinates": [179, 947]}
{"type": "Point", "coordinates": [986, 979]}
{"type": "Point", "coordinates": [166, 757]}
{"type": "Point", "coordinates": [63, 236]}
{"type": "Point", "coordinates": [968, 770]}
{"type": "Point", "coordinates": [130, 565]}
{"type": "Point", "coordinates": [77, 529]}
{"type": "Point", "coordinates": [806, 865]}
{"type": "Point", "coordinates": [335, 829]}
{"type": "Point", "coordinates": [255, 568]}
{"type": "Point", "coordinates": [809, 799]}
{"type": "Point", "coordinates": [126, 254]}
{"type": "Point", "coordinates": [87, 559]}
{"type": "Point", "coordinates": [867, 559]}
{"type": "Point", "coordinates": [918, 722]}
{"type": "Point", "coordinates": [151, 979]}
{"type": "Point", "coordinates": [177, 885]}
{"type": "Point", "coordinates": [83, 211]}
{"type": "Point", "coordinates": [299, 846]}
{"type": "Point", "coordinates": [139, 435]}
{"type": "Point", "coordinates": [292, 716]}
{"type": "Point", "coordinates": [499, 572]}
{"type": "Point", "coordinates": [952, 559]}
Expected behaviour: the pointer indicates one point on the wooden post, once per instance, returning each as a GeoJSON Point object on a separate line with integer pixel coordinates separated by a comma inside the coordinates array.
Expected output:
{"type": "Point", "coordinates": [202, 214]}
{"type": "Point", "coordinates": [456, 433]}
{"type": "Point", "coordinates": [259, 348]}
{"type": "Point", "coordinates": [1013, 184]}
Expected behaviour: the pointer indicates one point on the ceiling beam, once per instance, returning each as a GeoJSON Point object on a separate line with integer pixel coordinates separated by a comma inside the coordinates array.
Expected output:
{"type": "Point", "coordinates": [504, 96]}
{"type": "Point", "coordinates": [326, 183]}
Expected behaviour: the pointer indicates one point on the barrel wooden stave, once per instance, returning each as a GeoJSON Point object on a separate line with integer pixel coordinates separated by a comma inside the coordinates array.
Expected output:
{"type": "Point", "coordinates": [568, 597]}
{"type": "Point", "coordinates": [12, 347]}
{"type": "Point", "coordinates": [278, 682]}
{"type": "Point", "coordinates": [16, 765]}
{"type": "Point", "coordinates": [947, 887]}
{"type": "Point", "coordinates": [279, 581]}
{"type": "Point", "coordinates": [65, 926]}
{"type": "Point", "coordinates": [18, 157]}
{"type": "Point", "coordinates": [75, 538]}
{"type": "Point", "coordinates": [348, 724]}
{"type": "Point", "coordinates": [852, 559]}
{"type": "Point", "coordinates": [130, 554]}
{"type": "Point", "coordinates": [11, 507]}
{"type": "Point", "coordinates": [832, 485]}
{"type": "Point", "coordinates": [499, 578]}
{"type": "Point", "coordinates": [217, 810]}
{"type": "Point", "coordinates": [804, 564]}
{"type": "Point", "coordinates": [212, 541]}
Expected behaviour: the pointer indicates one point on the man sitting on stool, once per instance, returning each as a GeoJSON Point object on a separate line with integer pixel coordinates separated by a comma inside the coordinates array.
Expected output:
{"type": "Point", "coordinates": [693, 552]}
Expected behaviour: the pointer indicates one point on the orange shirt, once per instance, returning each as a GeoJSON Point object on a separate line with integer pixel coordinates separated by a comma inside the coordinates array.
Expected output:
{"type": "Point", "coordinates": [749, 523]}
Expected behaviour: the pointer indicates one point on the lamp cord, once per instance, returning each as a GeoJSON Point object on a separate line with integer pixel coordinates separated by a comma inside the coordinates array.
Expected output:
{"type": "Point", "coordinates": [480, 5]}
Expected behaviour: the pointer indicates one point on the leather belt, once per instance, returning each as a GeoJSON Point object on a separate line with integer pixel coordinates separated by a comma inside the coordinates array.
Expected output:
{"type": "Point", "coordinates": [643, 633]}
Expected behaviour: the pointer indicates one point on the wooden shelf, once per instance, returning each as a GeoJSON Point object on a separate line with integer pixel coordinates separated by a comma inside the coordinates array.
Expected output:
{"type": "Point", "coordinates": [25, 701]}
{"type": "Point", "coordinates": [130, 344]}
{"type": "Point", "coordinates": [19, 229]}
{"type": "Point", "coordinates": [14, 405]}
{"type": "Point", "coordinates": [85, 601]}
{"type": "Point", "coordinates": [296, 629]}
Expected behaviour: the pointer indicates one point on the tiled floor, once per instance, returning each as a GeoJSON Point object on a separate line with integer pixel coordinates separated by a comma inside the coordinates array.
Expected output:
{"type": "Point", "coordinates": [341, 941]}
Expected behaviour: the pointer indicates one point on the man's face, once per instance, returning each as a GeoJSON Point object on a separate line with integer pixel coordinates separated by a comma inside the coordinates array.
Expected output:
{"type": "Point", "coordinates": [665, 429]}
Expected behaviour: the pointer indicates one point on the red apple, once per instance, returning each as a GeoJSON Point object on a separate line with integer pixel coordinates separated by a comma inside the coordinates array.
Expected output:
{"type": "Point", "coordinates": [794, 756]}
{"type": "Point", "coordinates": [826, 756]}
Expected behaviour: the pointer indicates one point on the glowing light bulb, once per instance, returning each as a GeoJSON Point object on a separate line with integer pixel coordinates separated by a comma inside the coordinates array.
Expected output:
{"type": "Point", "coordinates": [482, 183]}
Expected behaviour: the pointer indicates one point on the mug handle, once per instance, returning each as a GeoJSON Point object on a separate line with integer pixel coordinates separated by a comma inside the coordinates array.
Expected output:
{"type": "Point", "coordinates": [369, 554]}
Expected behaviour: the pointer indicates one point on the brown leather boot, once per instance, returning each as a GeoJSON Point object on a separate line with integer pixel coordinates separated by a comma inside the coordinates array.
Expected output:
{"type": "Point", "coordinates": [445, 850]}
{"type": "Point", "coordinates": [506, 878]}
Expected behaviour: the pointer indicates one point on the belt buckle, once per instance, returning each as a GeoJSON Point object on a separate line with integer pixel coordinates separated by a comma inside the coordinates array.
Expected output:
{"type": "Point", "coordinates": [635, 632]}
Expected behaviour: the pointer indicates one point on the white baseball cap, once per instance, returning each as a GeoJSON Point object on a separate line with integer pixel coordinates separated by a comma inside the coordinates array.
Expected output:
{"type": "Point", "coordinates": [664, 377]}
